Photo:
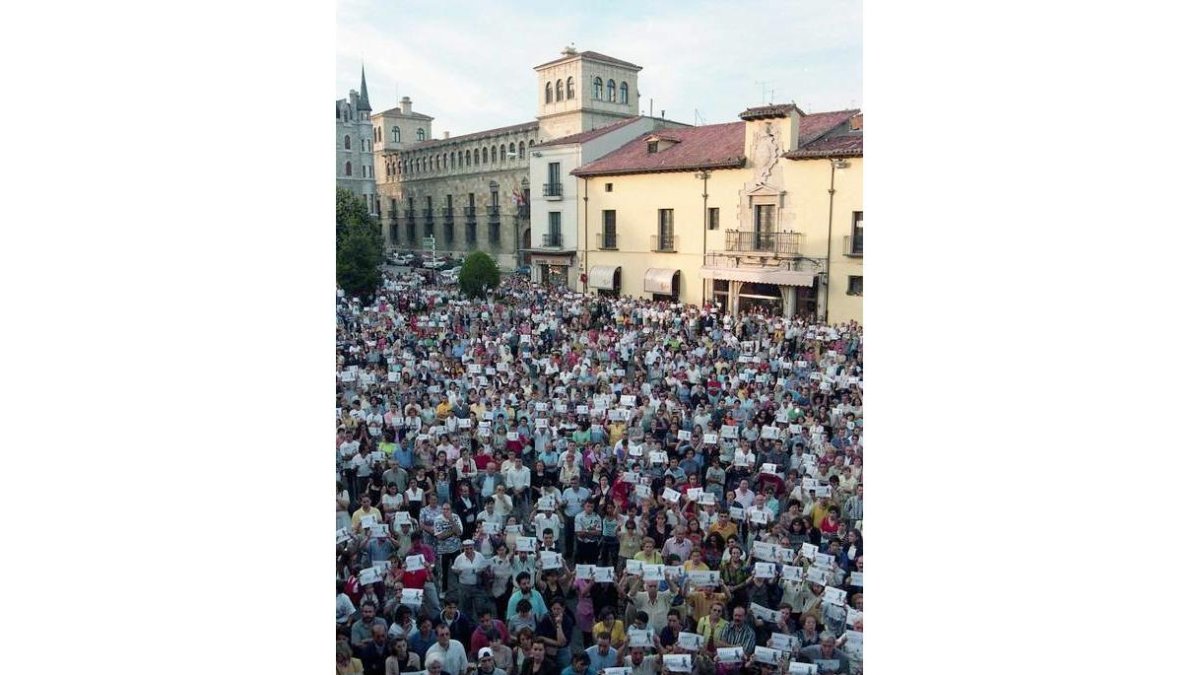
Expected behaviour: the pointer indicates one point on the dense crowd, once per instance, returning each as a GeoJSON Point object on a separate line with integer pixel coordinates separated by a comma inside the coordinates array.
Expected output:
{"type": "Point", "coordinates": [547, 483]}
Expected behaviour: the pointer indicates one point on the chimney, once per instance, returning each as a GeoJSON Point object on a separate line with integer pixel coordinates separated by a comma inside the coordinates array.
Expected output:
{"type": "Point", "coordinates": [406, 105]}
{"type": "Point", "coordinates": [445, 135]}
{"type": "Point", "coordinates": [856, 122]}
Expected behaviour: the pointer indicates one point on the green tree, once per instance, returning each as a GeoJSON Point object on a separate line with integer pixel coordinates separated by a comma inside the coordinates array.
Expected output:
{"type": "Point", "coordinates": [359, 246]}
{"type": "Point", "coordinates": [479, 273]}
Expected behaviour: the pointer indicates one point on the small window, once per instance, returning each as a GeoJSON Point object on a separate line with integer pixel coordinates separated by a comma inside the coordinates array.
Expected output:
{"type": "Point", "coordinates": [395, 134]}
{"type": "Point", "coordinates": [558, 90]}
{"type": "Point", "coordinates": [346, 142]}
{"type": "Point", "coordinates": [652, 147]}
{"type": "Point", "coordinates": [493, 154]}
{"type": "Point", "coordinates": [349, 169]}
{"type": "Point", "coordinates": [624, 92]}
{"type": "Point", "coordinates": [714, 217]}
{"type": "Point", "coordinates": [597, 89]}
{"type": "Point", "coordinates": [608, 187]}
{"type": "Point", "coordinates": [549, 93]}
{"type": "Point", "coordinates": [570, 88]}
{"type": "Point", "coordinates": [512, 151]}
{"type": "Point", "coordinates": [854, 286]}
{"type": "Point", "coordinates": [476, 155]}
{"type": "Point", "coordinates": [612, 90]}
{"type": "Point", "coordinates": [362, 145]}
{"type": "Point", "coordinates": [856, 239]}
{"type": "Point", "coordinates": [521, 150]}
{"type": "Point", "coordinates": [420, 134]}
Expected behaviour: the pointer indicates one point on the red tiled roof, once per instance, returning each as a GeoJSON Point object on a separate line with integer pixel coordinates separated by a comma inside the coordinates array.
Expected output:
{"type": "Point", "coordinates": [816, 125]}
{"type": "Point", "coordinates": [586, 136]}
{"type": "Point", "coordinates": [525, 126]}
{"type": "Point", "coordinates": [715, 146]}
{"type": "Point", "coordinates": [595, 56]}
{"type": "Point", "coordinates": [847, 145]}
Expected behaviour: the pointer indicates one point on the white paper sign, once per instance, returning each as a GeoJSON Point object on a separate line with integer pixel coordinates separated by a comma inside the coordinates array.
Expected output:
{"type": "Point", "coordinates": [767, 655]}
{"type": "Point", "coordinates": [639, 638]}
{"type": "Point", "coordinates": [834, 596]}
{"type": "Point", "coordinates": [808, 550]}
{"type": "Point", "coordinates": [528, 544]}
{"type": "Point", "coordinates": [737, 513]}
{"type": "Point", "coordinates": [545, 503]}
{"type": "Point", "coordinates": [792, 573]}
{"type": "Point", "coordinates": [414, 563]}
{"type": "Point", "coordinates": [628, 400]}
{"type": "Point", "coordinates": [633, 568]}
{"type": "Point", "coordinates": [604, 574]}
{"type": "Point", "coordinates": [412, 596]}
{"type": "Point", "coordinates": [684, 435]}
{"type": "Point", "coordinates": [765, 613]}
{"type": "Point", "coordinates": [653, 572]}
{"type": "Point", "coordinates": [783, 642]}
{"type": "Point", "coordinates": [770, 433]}
{"type": "Point", "coordinates": [764, 570]}
{"type": "Point", "coordinates": [797, 668]}
{"type": "Point", "coordinates": [730, 654]}
{"type": "Point", "coordinates": [658, 457]}
{"type": "Point", "coordinates": [671, 495]}
{"type": "Point", "coordinates": [690, 641]}
{"type": "Point", "coordinates": [584, 571]}
{"type": "Point", "coordinates": [369, 575]}
{"type": "Point", "coordinates": [367, 522]}
{"type": "Point", "coordinates": [707, 579]}
{"type": "Point", "coordinates": [343, 535]}
{"type": "Point", "coordinates": [677, 663]}
{"type": "Point", "coordinates": [816, 575]}
{"type": "Point", "coordinates": [856, 578]}
{"type": "Point", "coordinates": [728, 431]}
{"type": "Point", "coordinates": [551, 560]}
{"type": "Point", "coordinates": [710, 439]}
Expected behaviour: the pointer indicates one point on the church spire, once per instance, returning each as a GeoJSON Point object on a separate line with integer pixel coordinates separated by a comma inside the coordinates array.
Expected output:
{"type": "Point", "coordinates": [364, 103]}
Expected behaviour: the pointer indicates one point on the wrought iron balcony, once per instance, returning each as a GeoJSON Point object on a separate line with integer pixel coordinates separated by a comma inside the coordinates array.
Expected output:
{"type": "Point", "coordinates": [552, 190]}
{"type": "Point", "coordinates": [493, 212]}
{"type": "Point", "coordinates": [667, 243]}
{"type": "Point", "coordinates": [756, 241]}
{"type": "Point", "coordinates": [469, 212]}
{"type": "Point", "coordinates": [852, 247]}
{"type": "Point", "coordinates": [552, 239]}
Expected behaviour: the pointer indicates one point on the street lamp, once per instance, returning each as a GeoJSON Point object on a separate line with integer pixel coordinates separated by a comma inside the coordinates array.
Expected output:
{"type": "Point", "coordinates": [704, 175]}
{"type": "Point", "coordinates": [834, 165]}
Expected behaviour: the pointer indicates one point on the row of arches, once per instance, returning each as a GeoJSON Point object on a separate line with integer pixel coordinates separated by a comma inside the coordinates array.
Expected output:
{"type": "Point", "coordinates": [496, 154]}
{"type": "Point", "coordinates": [615, 94]}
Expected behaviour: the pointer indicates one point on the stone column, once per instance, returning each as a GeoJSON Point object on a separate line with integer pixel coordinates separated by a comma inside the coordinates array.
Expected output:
{"type": "Point", "coordinates": [788, 295]}
{"type": "Point", "coordinates": [735, 288]}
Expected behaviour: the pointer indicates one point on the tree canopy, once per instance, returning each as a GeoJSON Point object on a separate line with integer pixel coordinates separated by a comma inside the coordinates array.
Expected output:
{"type": "Point", "coordinates": [359, 246]}
{"type": "Point", "coordinates": [479, 273]}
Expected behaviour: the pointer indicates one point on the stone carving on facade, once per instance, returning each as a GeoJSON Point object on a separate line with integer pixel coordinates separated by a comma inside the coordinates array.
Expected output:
{"type": "Point", "coordinates": [766, 154]}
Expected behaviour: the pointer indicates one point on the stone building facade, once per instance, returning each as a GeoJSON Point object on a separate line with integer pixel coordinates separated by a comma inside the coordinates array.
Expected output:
{"type": "Point", "coordinates": [355, 146]}
{"type": "Point", "coordinates": [472, 192]}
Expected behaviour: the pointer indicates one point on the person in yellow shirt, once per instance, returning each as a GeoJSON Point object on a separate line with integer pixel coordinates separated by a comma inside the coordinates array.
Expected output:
{"type": "Point", "coordinates": [712, 625]}
{"type": "Point", "coordinates": [616, 432]}
{"type": "Point", "coordinates": [365, 509]}
{"type": "Point", "coordinates": [820, 510]}
{"type": "Point", "coordinates": [614, 627]}
{"type": "Point", "coordinates": [649, 554]}
{"type": "Point", "coordinates": [724, 526]}
{"type": "Point", "coordinates": [443, 409]}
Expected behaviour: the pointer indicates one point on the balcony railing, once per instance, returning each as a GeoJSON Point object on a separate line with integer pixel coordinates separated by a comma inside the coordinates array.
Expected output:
{"type": "Point", "coordinates": [852, 248]}
{"type": "Point", "coordinates": [667, 243]}
{"type": "Point", "coordinates": [606, 241]}
{"type": "Point", "coordinates": [552, 190]}
{"type": "Point", "coordinates": [448, 213]}
{"type": "Point", "coordinates": [469, 212]}
{"type": "Point", "coordinates": [553, 239]}
{"type": "Point", "coordinates": [752, 241]}
{"type": "Point", "coordinates": [493, 212]}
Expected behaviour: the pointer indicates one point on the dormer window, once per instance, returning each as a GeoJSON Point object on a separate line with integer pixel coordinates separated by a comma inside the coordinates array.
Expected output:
{"type": "Point", "coordinates": [652, 147]}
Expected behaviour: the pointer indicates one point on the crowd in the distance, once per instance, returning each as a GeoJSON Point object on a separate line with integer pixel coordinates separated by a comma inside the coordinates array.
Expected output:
{"type": "Point", "coordinates": [547, 483]}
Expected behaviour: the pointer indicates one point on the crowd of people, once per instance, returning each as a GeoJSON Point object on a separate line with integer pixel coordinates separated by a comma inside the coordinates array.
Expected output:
{"type": "Point", "coordinates": [549, 483]}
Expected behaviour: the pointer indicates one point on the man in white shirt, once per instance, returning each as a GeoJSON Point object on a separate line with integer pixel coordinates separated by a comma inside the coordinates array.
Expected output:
{"type": "Point", "coordinates": [469, 565]}
{"type": "Point", "coordinates": [517, 480]}
{"type": "Point", "coordinates": [451, 653]}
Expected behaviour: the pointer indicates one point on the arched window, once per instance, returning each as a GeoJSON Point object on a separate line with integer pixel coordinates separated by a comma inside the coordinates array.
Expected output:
{"type": "Point", "coordinates": [570, 88]}
{"type": "Point", "coordinates": [521, 150]}
{"type": "Point", "coordinates": [349, 169]}
{"type": "Point", "coordinates": [346, 142]}
{"type": "Point", "coordinates": [549, 93]}
{"type": "Point", "coordinates": [460, 158]}
{"type": "Point", "coordinates": [476, 155]}
{"type": "Point", "coordinates": [493, 154]}
{"type": "Point", "coordinates": [512, 151]}
{"type": "Point", "coordinates": [420, 134]}
{"type": "Point", "coordinates": [395, 134]}
{"type": "Point", "coordinates": [624, 92]}
{"type": "Point", "coordinates": [597, 89]}
{"type": "Point", "coordinates": [444, 165]}
{"type": "Point", "coordinates": [612, 90]}
{"type": "Point", "coordinates": [558, 90]}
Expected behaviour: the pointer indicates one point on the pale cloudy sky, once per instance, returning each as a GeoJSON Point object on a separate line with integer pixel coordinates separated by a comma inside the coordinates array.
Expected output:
{"type": "Point", "coordinates": [470, 64]}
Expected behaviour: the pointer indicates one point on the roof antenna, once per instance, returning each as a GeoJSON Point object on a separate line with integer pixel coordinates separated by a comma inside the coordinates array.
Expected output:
{"type": "Point", "coordinates": [764, 91]}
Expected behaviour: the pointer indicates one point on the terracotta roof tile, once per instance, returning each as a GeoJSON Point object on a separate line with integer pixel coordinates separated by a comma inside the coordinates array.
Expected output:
{"type": "Point", "coordinates": [714, 146]}
{"type": "Point", "coordinates": [845, 145]}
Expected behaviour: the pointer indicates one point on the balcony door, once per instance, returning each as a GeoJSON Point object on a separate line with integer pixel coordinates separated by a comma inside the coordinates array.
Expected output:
{"type": "Point", "coordinates": [764, 227]}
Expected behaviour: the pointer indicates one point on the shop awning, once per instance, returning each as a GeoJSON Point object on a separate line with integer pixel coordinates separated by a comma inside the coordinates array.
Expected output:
{"type": "Point", "coordinates": [660, 280]}
{"type": "Point", "coordinates": [759, 275]}
{"type": "Point", "coordinates": [604, 277]}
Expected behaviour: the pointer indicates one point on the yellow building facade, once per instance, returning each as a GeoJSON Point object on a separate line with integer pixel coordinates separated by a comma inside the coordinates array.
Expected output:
{"type": "Point", "coordinates": [764, 214]}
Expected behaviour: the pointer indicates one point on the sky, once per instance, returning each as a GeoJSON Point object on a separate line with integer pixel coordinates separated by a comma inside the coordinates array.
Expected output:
{"type": "Point", "coordinates": [469, 65]}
